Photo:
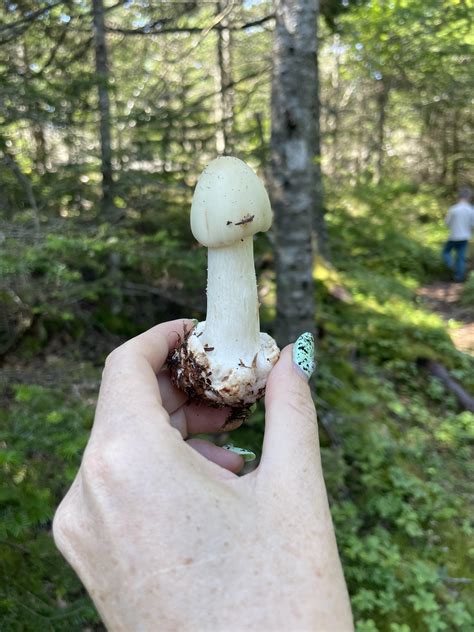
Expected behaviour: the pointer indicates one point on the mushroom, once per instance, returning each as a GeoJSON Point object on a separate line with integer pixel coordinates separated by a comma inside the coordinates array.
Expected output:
{"type": "Point", "coordinates": [225, 360]}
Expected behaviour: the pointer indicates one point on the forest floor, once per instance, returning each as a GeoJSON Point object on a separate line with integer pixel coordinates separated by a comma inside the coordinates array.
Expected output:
{"type": "Point", "coordinates": [443, 298]}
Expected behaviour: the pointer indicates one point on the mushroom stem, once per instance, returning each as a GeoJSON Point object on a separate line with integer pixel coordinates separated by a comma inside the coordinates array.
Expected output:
{"type": "Point", "coordinates": [232, 323]}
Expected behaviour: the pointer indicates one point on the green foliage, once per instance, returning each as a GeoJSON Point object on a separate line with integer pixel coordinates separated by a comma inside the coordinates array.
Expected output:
{"type": "Point", "coordinates": [399, 490]}
{"type": "Point", "coordinates": [42, 438]}
{"type": "Point", "coordinates": [397, 452]}
{"type": "Point", "coordinates": [404, 71]}
{"type": "Point", "coordinates": [400, 501]}
{"type": "Point", "coordinates": [80, 282]}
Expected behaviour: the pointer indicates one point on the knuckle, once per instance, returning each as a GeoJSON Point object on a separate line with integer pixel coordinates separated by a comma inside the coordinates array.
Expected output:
{"type": "Point", "coordinates": [103, 466]}
{"type": "Point", "coordinates": [63, 526]}
{"type": "Point", "coordinates": [115, 356]}
{"type": "Point", "coordinates": [91, 467]}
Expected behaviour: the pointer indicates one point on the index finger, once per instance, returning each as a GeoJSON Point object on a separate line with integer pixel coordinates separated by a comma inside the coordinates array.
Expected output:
{"type": "Point", "coordinates": [129, 381]}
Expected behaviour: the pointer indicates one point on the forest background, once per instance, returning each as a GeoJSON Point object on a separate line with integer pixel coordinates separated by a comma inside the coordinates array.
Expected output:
{"type": "Point", "coordinates": [109, 110]}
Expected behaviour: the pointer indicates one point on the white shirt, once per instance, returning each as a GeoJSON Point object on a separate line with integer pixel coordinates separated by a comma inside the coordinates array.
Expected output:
{"type": "Point", "coordinates": [460, 219]}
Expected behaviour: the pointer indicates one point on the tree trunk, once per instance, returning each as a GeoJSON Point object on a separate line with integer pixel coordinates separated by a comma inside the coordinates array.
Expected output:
{"type": "Point", "coordinates": [102, 70]}
{"type": "Point", "coordinates": [295, 173]}
{"type": "Point", "coordinates": [225, 92]}
{"type": "Point", "coordinates": [456, 157]}
{"type": "Point", "coordinates": [382, 100]}
{"type": "Point", "coordinates": [444, 150]}
{"type": "Point", "coordinates": [336, 113]}
{"type": "Point", "coordinates": [261, 150]}
{"type": "Point", "coordinates": [41, 152]}
{"type": "Point", "coordinates": [34, 115]}
{"type": "Point", "coordinates": [319, 227]}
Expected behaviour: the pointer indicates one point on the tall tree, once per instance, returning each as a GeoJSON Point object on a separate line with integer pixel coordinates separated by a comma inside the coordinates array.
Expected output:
{"type": "Point", "coordinates": [295, 174]}
{"type": "Point", "coordinates": [102, 69]}
{"type": "Point", "coordinates": [225, 91]}
{"type": "Point", "coordinates": [382, 102]}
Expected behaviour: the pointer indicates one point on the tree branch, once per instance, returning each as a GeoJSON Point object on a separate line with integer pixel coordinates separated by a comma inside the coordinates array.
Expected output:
{"type": "Point", "coordinates": [151, 28]}
{"type": "Point", "coordinates": [438, 370]}
{"type": "Point", "coordinates": [53, 53]}
{"type": "Point", "coordinates": [31, 17]}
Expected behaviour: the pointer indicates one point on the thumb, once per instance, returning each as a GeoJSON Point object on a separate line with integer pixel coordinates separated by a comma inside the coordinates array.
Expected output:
{"type": "Point", "coordinates": [291, 441]}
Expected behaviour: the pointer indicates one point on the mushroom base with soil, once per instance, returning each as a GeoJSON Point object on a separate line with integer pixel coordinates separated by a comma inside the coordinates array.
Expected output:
{"type": "Point", "coordinates": [194, 370]}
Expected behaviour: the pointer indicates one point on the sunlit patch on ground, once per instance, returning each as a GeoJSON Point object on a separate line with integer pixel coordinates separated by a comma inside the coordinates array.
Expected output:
{"type": "Point", "coordinates": [444, 299]}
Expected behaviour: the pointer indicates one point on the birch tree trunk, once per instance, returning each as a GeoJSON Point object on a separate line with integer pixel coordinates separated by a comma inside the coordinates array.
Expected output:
{"type": "Point", "coordinates": [102, 69]}
{"type": "Point", "coordinates": [295, 178]}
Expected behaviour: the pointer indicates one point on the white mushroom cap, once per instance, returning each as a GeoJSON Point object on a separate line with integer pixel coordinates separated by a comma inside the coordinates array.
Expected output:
{"type": "Point", "coordinates": [229, 204]}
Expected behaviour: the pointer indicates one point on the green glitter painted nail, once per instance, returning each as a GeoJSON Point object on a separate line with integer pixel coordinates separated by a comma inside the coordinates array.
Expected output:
{"type": "Point", "coordinates": [247, 455]}
{"type": "Point", "coordinates": [303, 354]}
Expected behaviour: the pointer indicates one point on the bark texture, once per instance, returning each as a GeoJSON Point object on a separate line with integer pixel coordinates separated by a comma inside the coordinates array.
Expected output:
{"type": "Point", "coordinates": [102, 69]}
{"type": "Point", "coordinates": [295, 177]}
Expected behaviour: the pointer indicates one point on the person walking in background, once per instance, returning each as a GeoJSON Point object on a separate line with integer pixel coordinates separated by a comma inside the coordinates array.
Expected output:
{"type": "Point", "coordinates": [460, 220]}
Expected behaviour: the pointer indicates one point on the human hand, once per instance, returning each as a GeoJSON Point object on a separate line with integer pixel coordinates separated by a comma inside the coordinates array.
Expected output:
{"type": "Point", "coordinates": [169, 538]}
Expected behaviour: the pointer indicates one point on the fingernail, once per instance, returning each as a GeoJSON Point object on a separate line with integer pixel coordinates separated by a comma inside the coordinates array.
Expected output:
{"type": "Point", "coordinates": [303, 354]}
{"type": "Point", "coordinates": [195, 322]}
{"type": "Point", "coordinates": [247, 455]}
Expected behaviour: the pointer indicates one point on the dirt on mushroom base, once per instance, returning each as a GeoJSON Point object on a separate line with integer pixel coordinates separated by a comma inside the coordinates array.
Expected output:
{"type": "Point", "coordinates": [194, 379]}
{"type": "Point", "coordinates": [443, 298]}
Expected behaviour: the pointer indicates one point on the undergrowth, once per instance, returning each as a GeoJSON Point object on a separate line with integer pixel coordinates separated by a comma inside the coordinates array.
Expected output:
{"type": "Point", "coordinates": [396, 449]}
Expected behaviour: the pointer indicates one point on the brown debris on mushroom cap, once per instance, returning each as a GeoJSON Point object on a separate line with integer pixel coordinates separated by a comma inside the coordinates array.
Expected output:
{"type": "Point", "coordinates": [245, 220]}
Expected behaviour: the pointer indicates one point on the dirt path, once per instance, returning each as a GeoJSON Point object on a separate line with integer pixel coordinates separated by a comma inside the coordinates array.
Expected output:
{"type": "Point", "coordinates": [443, 298]}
